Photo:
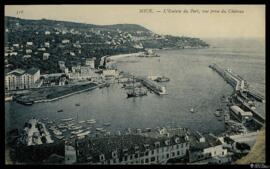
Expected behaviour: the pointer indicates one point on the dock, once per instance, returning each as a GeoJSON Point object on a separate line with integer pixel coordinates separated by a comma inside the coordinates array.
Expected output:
{"type": "Point", "coordinates": [242, 91]}
{"type": "Point", "coordinates": [236, 81]}
{"type": "Point", "coordinates": [158, 89]}
{"type": "Point", "coordinates": [255, 114]}
{"type": "Point", "coordinates": [255, 95]}
{"type": "Point", "coordinates": [150, 84]}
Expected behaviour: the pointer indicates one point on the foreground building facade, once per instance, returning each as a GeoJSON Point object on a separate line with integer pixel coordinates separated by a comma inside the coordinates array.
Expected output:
{"type": "Point", "coordinates": [131, 149]}
{"type": "Point", "coordinates": [21, 79]}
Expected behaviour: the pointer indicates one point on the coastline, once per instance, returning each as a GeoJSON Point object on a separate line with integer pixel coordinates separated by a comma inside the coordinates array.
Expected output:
{"type": "Point", "coordinates": [67, 95]}
{"type": "Point", "coordinates": [62, 92]}
{"type": "Point", "coordinates": [116, 57]}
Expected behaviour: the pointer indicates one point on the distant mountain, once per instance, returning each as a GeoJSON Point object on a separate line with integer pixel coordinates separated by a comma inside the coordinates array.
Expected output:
{"type": "Point", "coordinates": [74, 25]}
{"type": "Point", "coordinates": [128, 27]}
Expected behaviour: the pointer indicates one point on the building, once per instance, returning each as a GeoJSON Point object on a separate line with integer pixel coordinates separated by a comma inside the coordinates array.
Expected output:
{"type": "Point", "coordinates": [16, 45]}
{"type": "Point", "coordinates": [72, 53]}
{"type": "Point", "coordinates": [21, 79]}
{"type": "Point", "coordinates": [26, 56]}
{"type": "Point", "coordinates": [41, 49]}
{"type": "Point", "coordinates": [130, 149]}
{"type": "Point", "coordinates": [90, 62]}
{"type": "Point", "coordinates": [70, 155]}
{"type": "Point", "coordinates": [28, 51]}
{"type": "Point", "coordinates": [47, 32]}
{"type": "Point", "coordinates": [47, 44]}
{"type": "Point", "coordinates": [62, 65]}
{"type": "Point", "coordinates": [46, 56]}
{"type": "Point", "coordinates": [65, 41]}
{"type": "Point", "coordinates": [29, 43]}
{"type": "Point", "coordinates": [82, 72]}
{"type": "Point", "coordinates": [239, 114]}
{"type": "Point", "coordinates": [204, 147]}
{"type": "Point", "coordinates": [110, 73]}
{"type": "Point", "coordinates": [13, 53]}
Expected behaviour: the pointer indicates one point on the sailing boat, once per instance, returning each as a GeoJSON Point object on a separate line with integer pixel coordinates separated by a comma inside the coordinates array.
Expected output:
{"type": "Point", "coordinates": [134, 93]}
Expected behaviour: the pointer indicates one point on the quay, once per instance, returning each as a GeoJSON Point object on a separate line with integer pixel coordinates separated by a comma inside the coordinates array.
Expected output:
{"type": "Point", "coordinates": [160, 90]}
{"type": "Point", "coordinates": [150, 84]}
{"type": "Point", "coordinates": [257, 116]}
{"type": "Point", "coordinates": [237, 82]}
{"type": "Point", "coordinates": [256, 95]}
{"type": "Point", "coordinates": [241, 91]}
{"type": "Point", "coordinates": [233, 79]}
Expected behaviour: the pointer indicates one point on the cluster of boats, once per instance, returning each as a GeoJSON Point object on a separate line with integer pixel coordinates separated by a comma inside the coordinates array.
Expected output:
{"type": "Point", "coordinates": [35, 133]}
{"type": "Point", "coordinates": [67, 128]}
{"type": "Point", "coordinates": [234, 127]}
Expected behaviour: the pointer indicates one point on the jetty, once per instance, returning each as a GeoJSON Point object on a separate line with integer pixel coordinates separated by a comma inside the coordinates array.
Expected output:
{"type": "Point", "coordinates": [152, 85]}
{"type": "Point", "coordinates": [236, 81]}
{"type": "Point", "coordinates": [242, 91]}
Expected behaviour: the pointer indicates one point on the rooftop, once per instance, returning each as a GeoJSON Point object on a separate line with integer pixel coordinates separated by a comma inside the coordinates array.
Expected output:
{"type": "Point", "coordinates": [210, 141]}
{"type": "Point", "coordinates": [20, 72]}
{"type": "Point", "coordinates": [237, 109]}
{"type": "Point", "coordinates": [125, 144]}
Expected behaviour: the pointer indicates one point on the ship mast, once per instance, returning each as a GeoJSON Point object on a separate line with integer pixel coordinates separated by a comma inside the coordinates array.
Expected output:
{"type": "Point", "coordinates": [133, 85]}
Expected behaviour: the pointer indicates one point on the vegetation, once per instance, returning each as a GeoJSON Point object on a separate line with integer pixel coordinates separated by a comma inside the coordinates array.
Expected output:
{"type": "Point", "coordinates": [85, 41]}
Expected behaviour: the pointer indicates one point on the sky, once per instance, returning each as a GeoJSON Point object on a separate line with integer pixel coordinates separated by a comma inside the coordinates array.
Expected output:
{"type": "Point", "coordinates": [248, 22]}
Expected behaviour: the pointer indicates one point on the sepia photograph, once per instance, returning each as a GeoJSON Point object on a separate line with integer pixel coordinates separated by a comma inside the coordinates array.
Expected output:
{"type": "Point", "coordinates": [135, 84]}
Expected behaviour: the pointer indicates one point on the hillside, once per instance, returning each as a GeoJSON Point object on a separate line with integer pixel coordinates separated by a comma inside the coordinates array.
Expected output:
{"type": "Point", "coordinates": [74, 42]}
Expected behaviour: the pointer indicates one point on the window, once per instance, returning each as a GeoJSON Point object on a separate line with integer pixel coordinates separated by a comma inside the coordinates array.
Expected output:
{"type": "Point", "coordinates": [146, 160]}
{"type": "Point", "coordinates": [178, 153]}
{"type": "Point", "coordinates": [222, 152]}
{"type": "Point", "coordinates": [173, 154]}
{"type": "Point", "coordinates": [177, 146]}
{"type": "Point", "coordinates": [168, 155]}
{"type": "Point", "coordinates": [152, 152]}
{"type": "Point", "coordinates": [146, 153]}
{"type": "Point", "coordinates": [142, 161]}
{"type": "Point", "coordinates": [153, 159]}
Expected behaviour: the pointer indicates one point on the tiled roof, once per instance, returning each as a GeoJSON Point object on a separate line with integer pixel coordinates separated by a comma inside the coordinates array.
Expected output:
{"type": "Point", "coordinates": [20, 72]}
{"type": "Point", "coordinates": [107, 145]}
{"type": "Point", "coordinates": [210, 141]}
{"type": "Point", "coordinates": [32, 71]}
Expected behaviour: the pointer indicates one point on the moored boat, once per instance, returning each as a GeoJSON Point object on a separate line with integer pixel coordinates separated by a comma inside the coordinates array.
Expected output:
{"type": "Point", "coordinates": [92, 121]}
{"type": "Point", "coordinates": [67, 119]}
{"type": "Point", "coordinates": [107, 124]}
{"type": "Point", "coordinates": [83, 134]}
{"type": "Point", "coordinates": [99, 129]}
{"type": "Point", "coordinates": [77, 132]}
